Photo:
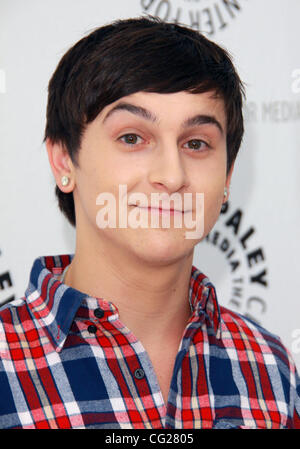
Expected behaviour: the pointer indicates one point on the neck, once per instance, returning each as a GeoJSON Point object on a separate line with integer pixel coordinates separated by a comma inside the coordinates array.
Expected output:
{"type": "Point", "coordinates": [152, 300]}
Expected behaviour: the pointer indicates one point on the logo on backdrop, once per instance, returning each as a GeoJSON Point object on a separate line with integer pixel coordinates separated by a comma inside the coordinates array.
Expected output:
{"type": "Point", "coordinates": [236, 264]}
{"type": "Point", "coordinates": [206, 16]}
{"type": "Point", "coordinates": [6, 283]}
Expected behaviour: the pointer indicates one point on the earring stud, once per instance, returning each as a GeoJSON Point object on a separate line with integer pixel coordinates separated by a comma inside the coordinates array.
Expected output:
{"type": "Point", "coordinates": [65, 180]}
{"type": "Point", "coordinates": [225, 193]}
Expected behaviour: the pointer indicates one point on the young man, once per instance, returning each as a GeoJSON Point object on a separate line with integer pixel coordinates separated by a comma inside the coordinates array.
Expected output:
{"type": "Point", "coordinates": [127, 333]}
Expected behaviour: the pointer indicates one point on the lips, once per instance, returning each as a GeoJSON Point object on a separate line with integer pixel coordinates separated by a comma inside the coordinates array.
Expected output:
{"type": "Point", "coordinates": [162, 210]}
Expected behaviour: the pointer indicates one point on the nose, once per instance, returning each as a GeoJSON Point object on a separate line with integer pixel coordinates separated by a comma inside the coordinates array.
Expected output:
{"type": "Point", "coordinates": [167, 171]}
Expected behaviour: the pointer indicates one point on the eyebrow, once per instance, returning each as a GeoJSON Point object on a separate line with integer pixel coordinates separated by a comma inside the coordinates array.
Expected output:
{"type": "Point", "coordinates": [199, 119]}
{"type": "Point", "coordinates": [136, 110]}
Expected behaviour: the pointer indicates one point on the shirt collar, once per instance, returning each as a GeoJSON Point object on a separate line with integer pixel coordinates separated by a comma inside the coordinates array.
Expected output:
{"type": "Point", "coordinates": [54, 304]}
{"type": "Point", "coordinates": [203, 299]}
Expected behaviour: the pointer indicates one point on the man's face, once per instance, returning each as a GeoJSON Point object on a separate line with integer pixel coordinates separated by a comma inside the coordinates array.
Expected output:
{"type": "Point", "coordinates": [152, 143]}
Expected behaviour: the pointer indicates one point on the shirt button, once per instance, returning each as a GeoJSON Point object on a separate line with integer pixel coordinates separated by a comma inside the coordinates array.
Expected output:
{"type": "Point", "coordinates": [92, 329]}
{"type": "Point", "coordinates": [139, 373]}
{"type": "Point", "coordinates": [99, 313]}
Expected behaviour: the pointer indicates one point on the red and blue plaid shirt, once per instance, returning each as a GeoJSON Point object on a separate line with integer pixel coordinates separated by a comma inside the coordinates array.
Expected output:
{"type": "Point", "coordinates": [67, 361]}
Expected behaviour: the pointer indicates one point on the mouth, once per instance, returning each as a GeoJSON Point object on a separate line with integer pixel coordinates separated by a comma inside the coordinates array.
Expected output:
{"type": "Point", "coordinates": [163, 211]}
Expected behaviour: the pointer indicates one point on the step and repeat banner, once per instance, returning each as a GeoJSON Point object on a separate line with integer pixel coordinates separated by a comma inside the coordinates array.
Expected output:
{"type": "Point", "coordinates": [252, 254]}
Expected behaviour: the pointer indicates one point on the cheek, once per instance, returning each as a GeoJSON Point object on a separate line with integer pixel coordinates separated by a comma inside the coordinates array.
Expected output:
{"type": "Point", "coordinates": [212, 183]}
{"type": "Point", "coordinates": [212, 206]}
{"type": "Point", "coordinates": [97, 177]}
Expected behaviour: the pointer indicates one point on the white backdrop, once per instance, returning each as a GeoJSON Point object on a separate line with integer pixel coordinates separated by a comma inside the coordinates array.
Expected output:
{"type": "Point", "coordinates": [252, 252]}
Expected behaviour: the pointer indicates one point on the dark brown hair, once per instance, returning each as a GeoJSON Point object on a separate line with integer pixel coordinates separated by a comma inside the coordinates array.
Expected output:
{"type": "Point", "coordinates": [128, 56]}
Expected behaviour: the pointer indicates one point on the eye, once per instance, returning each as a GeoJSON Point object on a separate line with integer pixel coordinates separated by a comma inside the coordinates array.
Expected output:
{"type": "Point", "coordinates": [131, 139]}
{"type": "Point", "coordinates": [196, 145]}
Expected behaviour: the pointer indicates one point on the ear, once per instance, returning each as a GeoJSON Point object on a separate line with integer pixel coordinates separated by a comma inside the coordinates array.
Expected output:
{"type": "Point", "coordinates": [228, 180]}
{"type": "Point", "coordinates": [61, 165]}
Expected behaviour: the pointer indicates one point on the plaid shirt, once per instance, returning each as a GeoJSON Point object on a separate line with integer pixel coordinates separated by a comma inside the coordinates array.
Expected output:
{"type": "Point", "coordinates": [67, 361]}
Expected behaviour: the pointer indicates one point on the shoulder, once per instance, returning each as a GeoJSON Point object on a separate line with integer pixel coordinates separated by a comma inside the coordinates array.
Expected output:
{"type": "Point", "coordinates": [14, 317]}
{"type": "Point", "coordinates": [251, 340]}
{"type": "Point", "coordinates": [264, 362]}
{"type": "Point", "coordinates": [8, 310]}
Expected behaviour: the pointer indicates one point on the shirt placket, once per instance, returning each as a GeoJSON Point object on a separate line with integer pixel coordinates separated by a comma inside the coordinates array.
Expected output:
{"type": "Point", "coordinates": [174, 412]}
{"type": "Point", "coordinates": [130, 365]}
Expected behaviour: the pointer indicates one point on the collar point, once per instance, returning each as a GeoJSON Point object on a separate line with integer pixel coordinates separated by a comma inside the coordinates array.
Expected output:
{"type": "Point", "coordinates": [59, 345]}
{"type": "Point", "coordinates": [218, 333]}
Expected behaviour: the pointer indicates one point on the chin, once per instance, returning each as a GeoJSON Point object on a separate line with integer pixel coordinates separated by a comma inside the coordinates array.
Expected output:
{"type": "Point", "coordinates": [163, 248]}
